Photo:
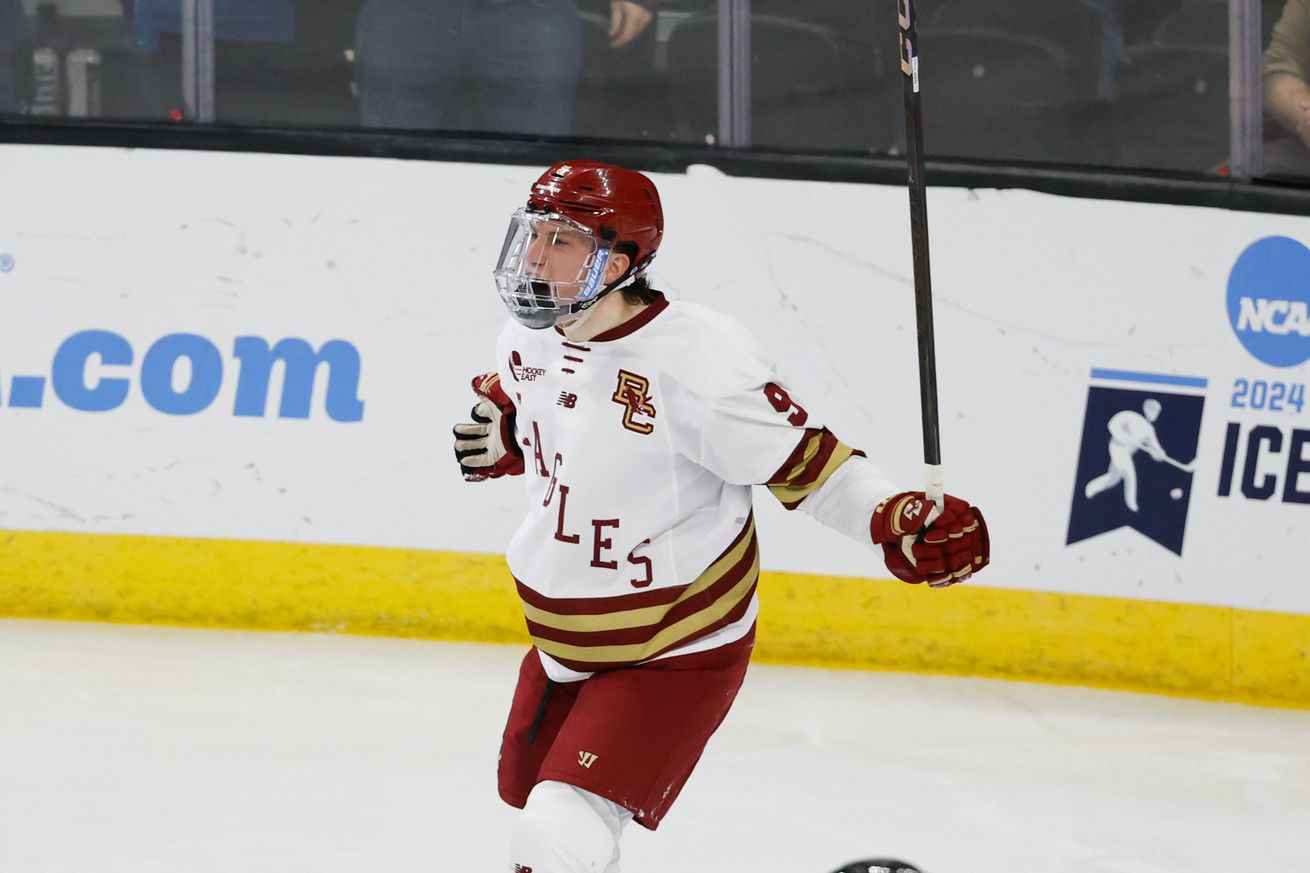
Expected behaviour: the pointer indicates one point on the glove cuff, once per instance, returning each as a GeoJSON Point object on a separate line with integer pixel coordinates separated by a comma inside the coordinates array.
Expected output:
{"type": "Point", "coordinates": [901, 515]}
{"type": "Point", "coordinates": [488, 385]}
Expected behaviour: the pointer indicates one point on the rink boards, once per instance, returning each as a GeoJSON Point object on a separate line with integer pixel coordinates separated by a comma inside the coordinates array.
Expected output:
{"type": "Point", "coordinates": [231, 407]}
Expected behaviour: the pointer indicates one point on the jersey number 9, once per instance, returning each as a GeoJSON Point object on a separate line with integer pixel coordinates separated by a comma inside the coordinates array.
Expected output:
{"type": "Point", "coordinates": [781, 401]}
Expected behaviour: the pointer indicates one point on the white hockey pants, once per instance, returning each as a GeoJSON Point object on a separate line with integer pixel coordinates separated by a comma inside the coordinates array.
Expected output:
{"type": "Point", "coordinates": [564, 829]}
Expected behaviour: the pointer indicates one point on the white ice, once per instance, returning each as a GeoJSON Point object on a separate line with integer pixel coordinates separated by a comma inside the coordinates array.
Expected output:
{"type": "Point", "coordinates": [158, 750]}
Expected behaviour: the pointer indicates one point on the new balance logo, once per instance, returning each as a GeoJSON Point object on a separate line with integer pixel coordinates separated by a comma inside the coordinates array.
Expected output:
{"type": "Point", "coordinates": [519, 868]}
{"type": "Point", "coordinates": [586, 759]}
{"type": "Point", "coordinates": [567, 400]}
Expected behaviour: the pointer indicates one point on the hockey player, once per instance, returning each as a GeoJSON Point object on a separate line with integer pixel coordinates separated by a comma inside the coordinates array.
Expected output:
{"type": "Point", "coordinates": [1129, 431]}
{"type": "Point", "coordinates": [639, 426]}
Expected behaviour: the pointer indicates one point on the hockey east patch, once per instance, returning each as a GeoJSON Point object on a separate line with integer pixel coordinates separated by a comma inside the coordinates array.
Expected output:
{"type": "Point", "coordinates": [1135, 465]}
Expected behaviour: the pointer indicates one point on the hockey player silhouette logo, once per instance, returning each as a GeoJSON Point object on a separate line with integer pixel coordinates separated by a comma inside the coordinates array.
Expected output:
{"type": "Point", "coordinates": [1131, 432]}
{"type": "Point", "coordinates": [1130, 472]}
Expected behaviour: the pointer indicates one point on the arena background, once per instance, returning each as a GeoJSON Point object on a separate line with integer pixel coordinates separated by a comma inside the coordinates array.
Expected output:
{"type": "Point", "coordinates": [142, 481]}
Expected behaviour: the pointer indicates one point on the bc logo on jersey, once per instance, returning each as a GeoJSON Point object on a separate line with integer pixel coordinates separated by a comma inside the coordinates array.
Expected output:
{"type": "Point", "coordinates": [633, 394]}
{"type": "Point", "coordinates": [1139, 440]}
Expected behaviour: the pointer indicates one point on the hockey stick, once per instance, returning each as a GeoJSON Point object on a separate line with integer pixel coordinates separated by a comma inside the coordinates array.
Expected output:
{"type": "Point", "coordinates": [1186, 468]}
{"type": "Point", "coordinates": [932, 452]}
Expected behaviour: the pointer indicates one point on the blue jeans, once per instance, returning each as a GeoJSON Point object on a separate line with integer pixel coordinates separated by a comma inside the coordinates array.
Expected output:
{"type": "Point", "coordinates": [502, 66]}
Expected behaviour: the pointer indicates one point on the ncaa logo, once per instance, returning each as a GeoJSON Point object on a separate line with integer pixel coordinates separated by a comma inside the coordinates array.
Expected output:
{"type": "Point", "coordinates": [1269, 301]}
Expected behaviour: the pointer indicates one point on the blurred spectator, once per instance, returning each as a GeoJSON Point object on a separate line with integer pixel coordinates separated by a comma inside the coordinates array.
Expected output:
{"type": "Point", "coordinates": [503, 66]}
{"type": "Point", "coordinates": [246, 20]}
{"type": "Point", "coordinates": [275, 61]}
{"type": "Point", "coordinates": [1089, 30]}
{"type": "Point", "coordinates": [1287, 90]}
{"type": "Point", "coordinates": [1110, 44]}
{"type": "Point", "coordinates": [15, 56]}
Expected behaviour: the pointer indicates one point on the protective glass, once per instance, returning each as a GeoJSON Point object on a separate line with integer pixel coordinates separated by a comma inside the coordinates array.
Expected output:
{"type": "Point", "coordinates": [550, 267]}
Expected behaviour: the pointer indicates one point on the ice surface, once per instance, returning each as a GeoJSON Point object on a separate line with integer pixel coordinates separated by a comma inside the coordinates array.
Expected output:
{"type": "Point", "coordinates": [160, 750]}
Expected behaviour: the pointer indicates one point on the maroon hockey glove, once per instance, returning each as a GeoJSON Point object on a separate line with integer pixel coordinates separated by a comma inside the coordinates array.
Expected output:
{"type": "Point", "coordinates": [921, 546]}
{"type": "Point", "coordinates": [485, 447]}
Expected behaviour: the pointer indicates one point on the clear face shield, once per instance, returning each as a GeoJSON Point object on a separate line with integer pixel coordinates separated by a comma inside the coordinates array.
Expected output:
{"type": "Point", "coordinates": [550, 268]}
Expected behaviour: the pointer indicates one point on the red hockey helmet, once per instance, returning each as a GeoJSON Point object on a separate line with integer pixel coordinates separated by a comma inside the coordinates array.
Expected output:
{"type": "Point", "coordinates": [618, 204]}
{"type": "Point", "coordinates": [589, 211]}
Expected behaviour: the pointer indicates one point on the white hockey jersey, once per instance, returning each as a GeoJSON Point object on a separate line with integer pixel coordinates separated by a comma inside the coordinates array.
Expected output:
{"type": "Point", "coordinates": [640, 448]}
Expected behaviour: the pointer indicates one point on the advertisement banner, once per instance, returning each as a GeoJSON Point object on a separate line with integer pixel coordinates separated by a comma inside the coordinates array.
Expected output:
{"type": "Point", "coordinates": [275, 348]}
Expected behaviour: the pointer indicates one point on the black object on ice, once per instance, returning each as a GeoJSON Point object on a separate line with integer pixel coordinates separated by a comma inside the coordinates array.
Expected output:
{"type": "Point", "coordinates": [879, 865]}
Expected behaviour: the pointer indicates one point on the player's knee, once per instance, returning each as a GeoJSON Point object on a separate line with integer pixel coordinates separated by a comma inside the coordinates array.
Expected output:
{"type": "Point", "coordinates": [564, 829]}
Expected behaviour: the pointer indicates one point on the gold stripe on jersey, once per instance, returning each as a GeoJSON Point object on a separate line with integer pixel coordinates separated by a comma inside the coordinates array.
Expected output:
{"type": "Point", "coordinates": [686, 630]}
{"type": "Point", "coordinates": [812, 446]}
{"type": "Point", "coordinates": [649, 615]}
{"type": "Point", "coordinates": [803, 479]}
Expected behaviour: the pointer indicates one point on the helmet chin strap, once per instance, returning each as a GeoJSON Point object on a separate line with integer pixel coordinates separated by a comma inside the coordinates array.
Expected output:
{"type": "Point", "coordinates": [623, 282]}
{"type": "Point", "coordinates": [575, 321]}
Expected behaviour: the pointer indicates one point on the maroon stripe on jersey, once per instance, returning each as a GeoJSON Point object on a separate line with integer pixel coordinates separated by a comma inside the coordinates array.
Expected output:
{"type": "Point", "coordinates": [812, 470]}
{"type": "Point", "coordinates": [634, 324]}
{"type": "Point", "coordinates": [565, 370]}
{"type": "Point", "coordinates": [573, 359]}
{"type": "Point", "coordinates": [828, 442]}
{"type": "Point", "coordinates": [575, 346]}
{"type": "Point", "coordinates": [621, 602]}
{"type": "Point", "coordinates": [637, 635]}
{"type": "Point", "coordinates": [599, 605]}
{"type": "Point", "coordinates": [735, 614]}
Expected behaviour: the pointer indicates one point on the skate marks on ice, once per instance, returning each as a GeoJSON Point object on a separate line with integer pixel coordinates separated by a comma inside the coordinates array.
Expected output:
{"type": "Point", "coordinates": [154, 750]}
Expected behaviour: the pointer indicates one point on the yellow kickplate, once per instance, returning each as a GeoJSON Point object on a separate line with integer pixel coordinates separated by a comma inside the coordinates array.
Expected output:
{"type": "Point", "coordinates": [1188, 650]}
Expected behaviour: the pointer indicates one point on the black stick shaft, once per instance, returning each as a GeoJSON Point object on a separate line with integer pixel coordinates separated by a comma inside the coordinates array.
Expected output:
{"type": "Point", "coordinates": [932, 453]}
